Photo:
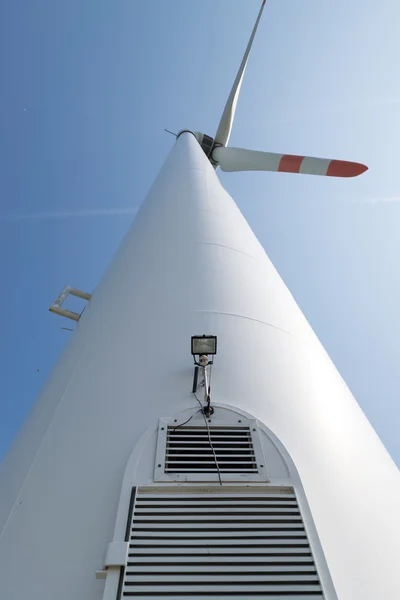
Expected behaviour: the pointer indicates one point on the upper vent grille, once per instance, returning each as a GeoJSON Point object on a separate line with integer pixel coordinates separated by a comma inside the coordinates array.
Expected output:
{"type": "Point", "coordinates": [184, 452]}
{"type": "Point", "coordinates": [188, 450]}
{"type": "Point", "coordinates": [222, 545]}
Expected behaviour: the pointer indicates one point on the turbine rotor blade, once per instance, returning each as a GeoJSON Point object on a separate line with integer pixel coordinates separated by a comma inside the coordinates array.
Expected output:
{"type": "Point", "coordinates": [225, 124]}
{"type": "Point", "coordinates": [239, 159]}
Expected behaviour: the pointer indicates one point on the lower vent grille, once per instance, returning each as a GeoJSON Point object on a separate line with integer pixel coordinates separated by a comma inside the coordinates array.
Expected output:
{"type": "Point", "coordinates": [219, 546]}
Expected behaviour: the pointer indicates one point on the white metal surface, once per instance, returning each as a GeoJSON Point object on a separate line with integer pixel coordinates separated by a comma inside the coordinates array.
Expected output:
{"type": "Point", "coordinates": [189, 264]}
{"type": "Point", "coordinates": [116, 554]}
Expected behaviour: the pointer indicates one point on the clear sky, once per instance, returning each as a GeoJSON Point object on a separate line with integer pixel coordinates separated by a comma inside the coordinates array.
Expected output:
{"type": "Point", "coordinates": [87, 87]}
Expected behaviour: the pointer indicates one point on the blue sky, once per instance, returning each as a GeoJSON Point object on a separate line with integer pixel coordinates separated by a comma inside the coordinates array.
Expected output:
{"type": "Point", "coordinates": [87, 88]}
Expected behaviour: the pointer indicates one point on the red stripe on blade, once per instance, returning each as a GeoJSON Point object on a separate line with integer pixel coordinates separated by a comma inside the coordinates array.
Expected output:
{"type": "Point", "coordinates": [290, 163]}
{"type": "Point", "coordinates": [343, 168]}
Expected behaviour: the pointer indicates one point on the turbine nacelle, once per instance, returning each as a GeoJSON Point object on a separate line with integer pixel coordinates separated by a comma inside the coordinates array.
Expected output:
{"type": "Point", "coordinates": [206, 142]}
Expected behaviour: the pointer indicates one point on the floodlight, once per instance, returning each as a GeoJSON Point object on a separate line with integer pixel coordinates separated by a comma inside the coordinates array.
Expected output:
{"type": "Point", "coordinates": [204, 344]}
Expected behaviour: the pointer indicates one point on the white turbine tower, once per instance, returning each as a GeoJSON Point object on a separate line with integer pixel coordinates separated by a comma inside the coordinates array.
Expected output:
{"type": "Point", "coordinates": [275, 487]}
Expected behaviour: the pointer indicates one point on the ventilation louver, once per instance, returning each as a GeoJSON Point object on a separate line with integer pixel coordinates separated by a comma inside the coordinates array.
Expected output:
{"type": "Point", "coordinates": [184, 452]}
{"type": "Point", "coordinates": [188, 450]}
{"type": "Point", "coordinates": [227, 544]}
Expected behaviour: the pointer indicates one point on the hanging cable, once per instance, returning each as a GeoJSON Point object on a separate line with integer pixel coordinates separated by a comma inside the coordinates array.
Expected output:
{"type": "Point", "coordinates": [189, 419]}
{"type": "Point", "coordinates": [212, 448]}
{"type": "Point", "coordinates": [209, 439]}
{"type": "Point", "coordinates": [206, 412]}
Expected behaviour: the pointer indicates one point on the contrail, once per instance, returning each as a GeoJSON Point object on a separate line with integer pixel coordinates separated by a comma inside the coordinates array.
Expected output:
{"type": "Point", "coordinates": [379, 200]}
{"type": "Point", "coordinates": [97, 212]}
{"type": "Point", "coordinates": [376, 200]}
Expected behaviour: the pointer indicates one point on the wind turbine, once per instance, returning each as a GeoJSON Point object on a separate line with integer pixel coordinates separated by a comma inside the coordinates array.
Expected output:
{"type": "Point", "coordinates": [253, 475]}
{"type": "Point", "coordinates": [238, 159]}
